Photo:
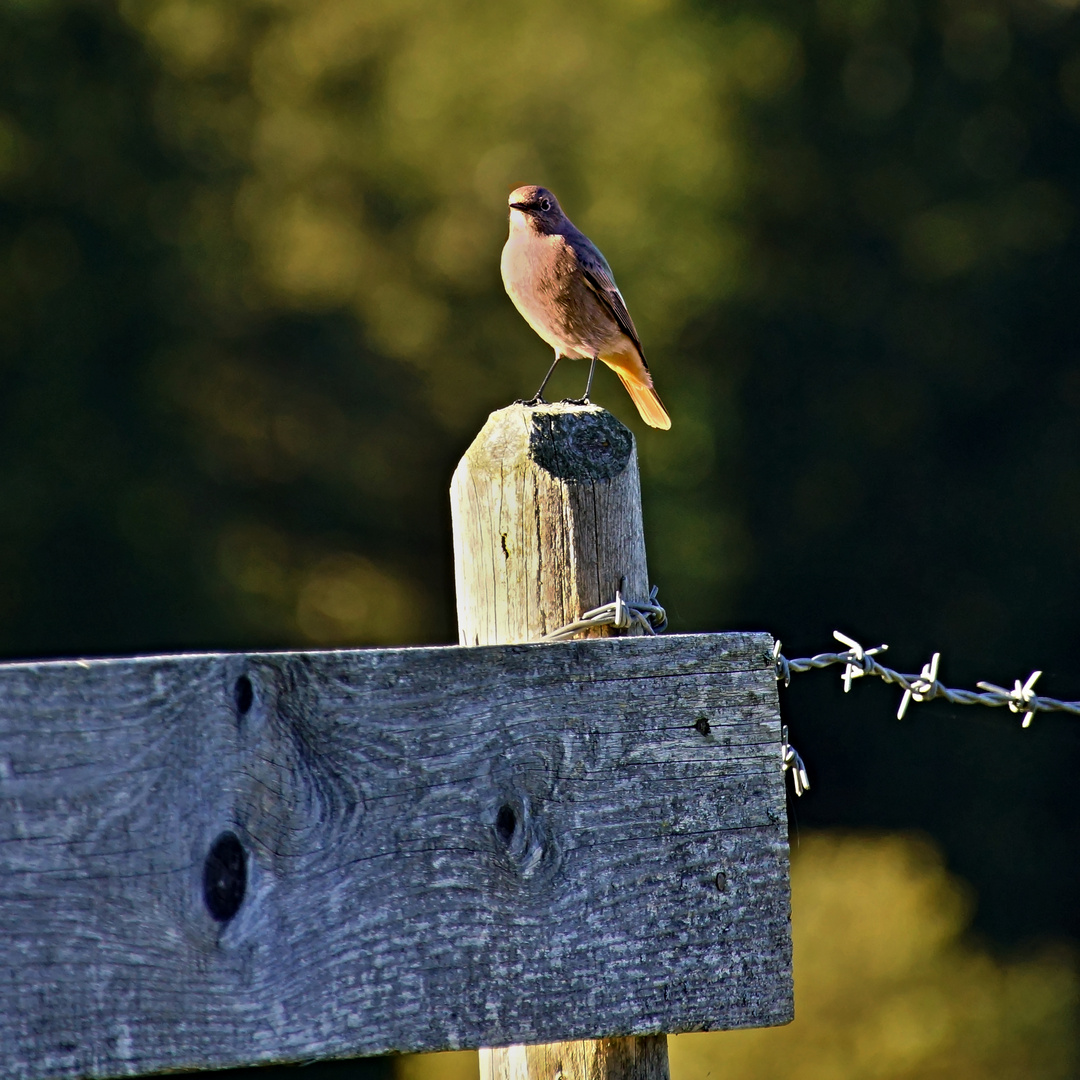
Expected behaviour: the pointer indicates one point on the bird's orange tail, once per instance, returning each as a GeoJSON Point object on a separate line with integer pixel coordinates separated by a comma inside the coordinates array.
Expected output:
{"type": "Point", "coordinates": [648, 403]}
{"type": "Point", "coordinates": [634, 375]}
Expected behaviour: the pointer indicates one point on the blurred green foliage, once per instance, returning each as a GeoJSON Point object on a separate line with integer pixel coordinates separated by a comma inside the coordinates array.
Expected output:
{"type": "Point", "coordinates": [887, 986]}
{"type": "Point", "coordinates": [250, 316]}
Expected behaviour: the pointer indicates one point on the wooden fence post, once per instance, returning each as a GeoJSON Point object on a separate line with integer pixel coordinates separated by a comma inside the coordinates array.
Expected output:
{"type": "Point", "coordinates": [547, 522]}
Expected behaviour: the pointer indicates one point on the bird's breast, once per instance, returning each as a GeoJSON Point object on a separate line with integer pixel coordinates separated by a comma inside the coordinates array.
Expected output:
{"type": "Point", "coordinates": [542, 277]}
{"type": "Point", "coordinates": [533, 270]}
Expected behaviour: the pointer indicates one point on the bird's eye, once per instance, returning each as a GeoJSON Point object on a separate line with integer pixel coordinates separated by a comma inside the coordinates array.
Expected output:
{"type": "Point", "coordinates": [545, 204]}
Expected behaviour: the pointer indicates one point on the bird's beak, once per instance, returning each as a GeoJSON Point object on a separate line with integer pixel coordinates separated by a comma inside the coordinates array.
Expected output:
{"type": "Point", "coordinates": [523, 207]}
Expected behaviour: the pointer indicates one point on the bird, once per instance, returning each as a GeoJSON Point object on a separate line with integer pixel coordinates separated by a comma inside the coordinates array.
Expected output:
{"type": "Point", "coordinates": [566, 292]}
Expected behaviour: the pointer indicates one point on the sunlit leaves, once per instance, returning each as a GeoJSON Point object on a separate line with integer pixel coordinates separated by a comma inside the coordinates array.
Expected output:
{"type": "Point", "coordinates": [384, 138]}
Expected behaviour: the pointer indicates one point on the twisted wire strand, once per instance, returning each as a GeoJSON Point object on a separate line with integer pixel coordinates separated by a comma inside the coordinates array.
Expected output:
{"type": "Point", "coordinates": [620, 613]}
{"type": "Point", "coordinates": [925, 686]}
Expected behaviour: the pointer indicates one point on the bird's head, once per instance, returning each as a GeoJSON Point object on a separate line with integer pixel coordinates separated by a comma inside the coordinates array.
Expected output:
{"type": "Point", "coordinates": [538, 208]}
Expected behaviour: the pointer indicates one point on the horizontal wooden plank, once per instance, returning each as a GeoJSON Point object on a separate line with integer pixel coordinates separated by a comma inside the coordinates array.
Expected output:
{"type": "Point", "coordinates": [226, 859]}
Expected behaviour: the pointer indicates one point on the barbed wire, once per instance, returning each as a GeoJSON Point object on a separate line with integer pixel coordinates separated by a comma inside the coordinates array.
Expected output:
{"type": "Point", "coordinates": [925, 686]}
{"type": "Point", "coordinates": [857, 660]}
{"type": "Point", "coordinates": [620, 613]}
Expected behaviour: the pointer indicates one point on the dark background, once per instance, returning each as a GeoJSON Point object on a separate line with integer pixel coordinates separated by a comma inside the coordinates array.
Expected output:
{"type": "Point", "coordinates": [859, 302]}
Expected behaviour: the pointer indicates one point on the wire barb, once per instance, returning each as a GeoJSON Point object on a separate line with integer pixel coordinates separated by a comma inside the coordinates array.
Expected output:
{"type": "Point", "coordinates": [859, 656]}
{"type": "Point", "coordinates": [793, 763]}
{"type": "Point", "coordinates": [1020, 697]}
{"type": "Point", "coordinates": [922, 688]}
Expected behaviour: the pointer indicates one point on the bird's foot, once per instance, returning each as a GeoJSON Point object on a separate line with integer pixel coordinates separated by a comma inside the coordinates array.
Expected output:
{"type": "Point", "coordinates": [532, 402]}
{"type": "Point", "coordinates": [576, 401]}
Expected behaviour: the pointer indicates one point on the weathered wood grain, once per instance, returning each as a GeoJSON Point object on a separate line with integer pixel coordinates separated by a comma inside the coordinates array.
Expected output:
{"type": "Point", "coordinates": [444, 848]}
{"type": "Point", "coordinates": [546, 505]}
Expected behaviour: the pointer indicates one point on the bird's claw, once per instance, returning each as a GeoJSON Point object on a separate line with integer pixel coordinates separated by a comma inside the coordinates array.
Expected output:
{"type": "Point", "coordinates": [532, 402]}
{"type": "Point", "coordinates": [575, 401]}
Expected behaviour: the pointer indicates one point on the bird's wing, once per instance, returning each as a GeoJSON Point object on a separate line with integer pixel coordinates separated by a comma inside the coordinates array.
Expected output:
{"type": "Point", "coordinates": [599, 278]}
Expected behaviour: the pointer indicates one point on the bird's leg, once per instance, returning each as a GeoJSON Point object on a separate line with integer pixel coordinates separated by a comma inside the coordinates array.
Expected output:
{"type": "Point", "coordinates": [538, 397]}
{"type": "Point", "coordinates": [584, 399]}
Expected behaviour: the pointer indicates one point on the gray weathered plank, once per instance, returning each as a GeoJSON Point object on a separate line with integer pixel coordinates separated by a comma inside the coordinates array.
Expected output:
{"type": "Point", "coordinates": [445, 848]}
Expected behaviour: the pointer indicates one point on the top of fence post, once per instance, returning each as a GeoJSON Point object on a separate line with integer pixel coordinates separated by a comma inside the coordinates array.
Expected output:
{"type": "Point", "coordinates": [546, 506]}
